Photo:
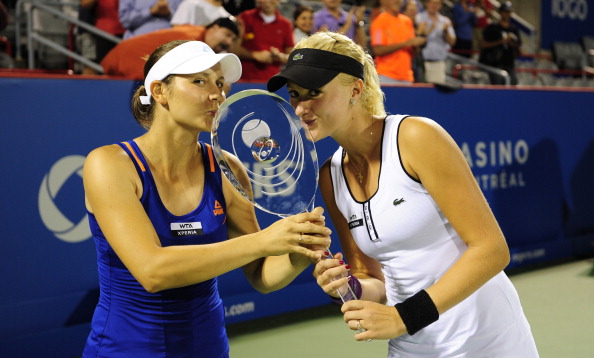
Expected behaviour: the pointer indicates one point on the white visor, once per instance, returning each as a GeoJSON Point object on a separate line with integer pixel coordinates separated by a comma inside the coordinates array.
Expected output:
{"type": "Point", "coordinates": [187, 58]}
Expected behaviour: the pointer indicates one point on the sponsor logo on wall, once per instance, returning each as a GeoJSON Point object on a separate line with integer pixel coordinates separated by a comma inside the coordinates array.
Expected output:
{"type": "Point", "coordinates": [240, 309]}
{"type": "Point", "coordinates": [490, 163]}
{"type": "Point", "coordinates": [51, 215]}
{"type": "Point", "coordinates": [519, 257]}
{"type": "Point", "coordinates": [570, 9]}
{"type": "Point", "coordinates": [565, 21]}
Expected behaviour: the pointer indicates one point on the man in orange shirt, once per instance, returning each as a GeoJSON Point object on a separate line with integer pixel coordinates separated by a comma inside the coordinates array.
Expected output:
{"type": "Point", "coordinates": [127, 59]}
{"type": "Point", "coordinates": [393, 41]}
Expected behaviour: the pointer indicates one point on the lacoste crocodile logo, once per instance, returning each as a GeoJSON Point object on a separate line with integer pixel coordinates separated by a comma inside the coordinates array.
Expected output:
{"type": "Point", "coordinates": [398, 201]}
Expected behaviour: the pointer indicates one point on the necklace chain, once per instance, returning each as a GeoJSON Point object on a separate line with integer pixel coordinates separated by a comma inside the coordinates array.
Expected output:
{"type": "Point", "coordinates": [360, 170]}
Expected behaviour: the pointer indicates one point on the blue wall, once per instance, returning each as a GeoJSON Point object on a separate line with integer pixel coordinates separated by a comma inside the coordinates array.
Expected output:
{"type": "Point", "coordinates": [532, 152]}
{"type": "Point", "coordinates": [565, 20]}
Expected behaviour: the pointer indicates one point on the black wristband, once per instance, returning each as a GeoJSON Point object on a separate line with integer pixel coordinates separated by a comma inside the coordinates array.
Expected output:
{"type": "Point", "coordinates": [417, 312]}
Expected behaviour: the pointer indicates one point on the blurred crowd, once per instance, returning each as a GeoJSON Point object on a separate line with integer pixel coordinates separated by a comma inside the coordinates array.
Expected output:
{"type": "Point", "coordinates": [408, 39]}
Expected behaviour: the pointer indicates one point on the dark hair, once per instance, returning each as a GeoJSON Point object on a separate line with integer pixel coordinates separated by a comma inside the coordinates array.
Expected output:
{"type": "Point", "coordinates": [4, 18]}
{"type": "Point", "coordinates": [144, 113]}
{"type": "Point", "coordinates": [228, 22]}
{"type": "Point", "coordinates": [300, 10]}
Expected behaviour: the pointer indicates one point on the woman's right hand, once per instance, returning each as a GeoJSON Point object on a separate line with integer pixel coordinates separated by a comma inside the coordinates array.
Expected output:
{"type": "Point", "coordinates": [332, 274]}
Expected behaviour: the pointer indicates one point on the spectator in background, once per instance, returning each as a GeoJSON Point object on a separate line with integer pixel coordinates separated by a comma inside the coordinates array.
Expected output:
{"type": "Point", "coordinates": [266, 42]}
{"type": "Point", "coordinates": [377, 8]}
{"type": "Point", "coordinates": [127, 59]}
{"type": "Point", "coordinates": [104, 15]}
{"type": "Point", "coordinates": [198, 12]}
{"type": "Point", "coordinates": [143, 16]}
{"type": "Point", "coordinates": [6, 60]}
{"type": "Point", "coordinates": [440, 37]}
{"type": "Point", "coordinates": [235, 7]}
{"type": "Point", "coordinates": [394, 42]}
{"type": "Point", "coordinates": [332, 17]}
{"type": "Point", "coordinates": [482, 10]}
{"type": "Point", "coordinates": [302, 22]}
{"type": "Point", "coordinates": [419, 3]}
{"type": "Point", "coordinates": [464, 23]}
{"type": "Point", "coordinates": [500, 46]}
{"type": "Point", "coordinates": [411, 9]}
{"type": "Point", "coordinates": [3, 17]}
{"type": "Point", "coordinates": [84, 40]}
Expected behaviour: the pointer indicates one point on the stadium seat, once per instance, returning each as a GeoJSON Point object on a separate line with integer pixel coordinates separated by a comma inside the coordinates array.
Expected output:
{"type": "Point", "coordinates": [588, 44]}
{"type": "Point", "coordinates": [568, 55]}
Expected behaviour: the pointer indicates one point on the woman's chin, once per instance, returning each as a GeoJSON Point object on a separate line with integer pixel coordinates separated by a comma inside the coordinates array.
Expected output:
{"type": "Point", "coordinates": [313, 136]}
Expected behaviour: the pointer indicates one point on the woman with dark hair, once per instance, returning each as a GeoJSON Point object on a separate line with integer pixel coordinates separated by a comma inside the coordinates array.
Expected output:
{"type": "Point", "coordinates": [166, 223]}
{"type": "Point", "coordinates": [302, 22]}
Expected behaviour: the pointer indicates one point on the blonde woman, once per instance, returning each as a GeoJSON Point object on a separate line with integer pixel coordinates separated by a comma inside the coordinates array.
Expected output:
{"type": "Point", "coordinates": [426, 254]}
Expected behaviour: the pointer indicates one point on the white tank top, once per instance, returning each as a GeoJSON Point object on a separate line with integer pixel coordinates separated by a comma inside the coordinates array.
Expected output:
{"type": "Point", "coordinates": [402, 227]}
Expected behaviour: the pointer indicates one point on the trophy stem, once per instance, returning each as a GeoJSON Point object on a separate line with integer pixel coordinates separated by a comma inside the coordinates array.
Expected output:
{"type": "Point", "coordinates": [345, 293]}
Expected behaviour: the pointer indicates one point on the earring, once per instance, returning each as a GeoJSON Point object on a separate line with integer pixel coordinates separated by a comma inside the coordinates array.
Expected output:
{"type": "Point", "coordinates": [352, 101]}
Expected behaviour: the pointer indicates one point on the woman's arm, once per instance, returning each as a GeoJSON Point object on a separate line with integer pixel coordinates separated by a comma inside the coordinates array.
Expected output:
{"type": "Point", "coordinates": [360, 34]}
{"type": "Point", "coordinates": [382, 50]}
{"type": "Point", "coordinates": [112, 190]}
{"type": "Point", "coordinates": [431, 156]}
{"type": "Point", "coordinates": [271, 273]}
{"type": "Point", "coordinates": [366, 269]}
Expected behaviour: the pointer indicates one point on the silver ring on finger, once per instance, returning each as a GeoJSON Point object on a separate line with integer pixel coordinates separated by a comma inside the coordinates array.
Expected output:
{"type": "Point", "coordinates": [358, 325]}
{"type": "Point", "coordinates": [300, 237]}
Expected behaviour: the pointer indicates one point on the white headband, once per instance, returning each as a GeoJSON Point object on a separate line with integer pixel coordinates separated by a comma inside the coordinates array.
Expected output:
{"type": "Point", "coordinates": [190, 57]}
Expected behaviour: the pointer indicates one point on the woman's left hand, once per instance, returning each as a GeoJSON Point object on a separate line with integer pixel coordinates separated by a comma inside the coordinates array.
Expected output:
{"type": "Point", "coordinates": [296, 257]}
{"type": "Point", "coordinates": [377, 321]}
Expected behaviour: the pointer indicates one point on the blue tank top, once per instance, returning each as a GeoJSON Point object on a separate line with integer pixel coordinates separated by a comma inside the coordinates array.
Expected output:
{"type": "Point", "coordinates": [180, 322]}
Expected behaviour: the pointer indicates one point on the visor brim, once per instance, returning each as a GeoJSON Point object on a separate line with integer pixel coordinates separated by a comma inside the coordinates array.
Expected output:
{"type": "Point", "coordinates": [308, 77]}
{"type": "Point", "coordinates": [230, 66]}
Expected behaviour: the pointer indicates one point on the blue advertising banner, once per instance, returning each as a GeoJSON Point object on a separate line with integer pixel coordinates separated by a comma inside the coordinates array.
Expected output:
{"type": "Point", "coordinates": [531, 151]}
{"type": "Point", "coordinates": [566, 21]}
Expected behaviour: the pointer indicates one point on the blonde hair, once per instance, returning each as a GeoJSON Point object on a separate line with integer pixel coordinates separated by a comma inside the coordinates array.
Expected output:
{"type": "Point", "coordinates": [372, 96]}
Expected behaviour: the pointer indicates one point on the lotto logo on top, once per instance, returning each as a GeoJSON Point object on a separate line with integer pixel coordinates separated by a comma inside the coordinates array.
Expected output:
{"type": "Point", "coordinates": [218, 208]}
